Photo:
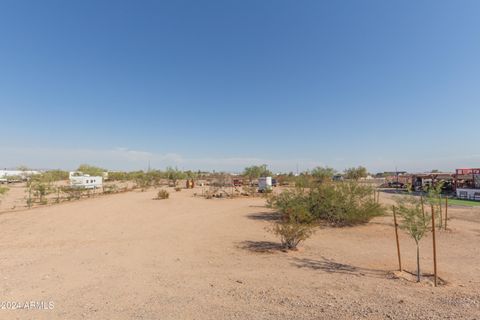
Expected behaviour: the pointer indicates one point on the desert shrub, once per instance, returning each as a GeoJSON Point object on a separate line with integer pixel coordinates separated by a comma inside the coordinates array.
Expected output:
{"type": "Point", "coordinates": [55, 175]}
{"type": "Point", "coordinates": [108, 189]}
{"type": "Point", "coordinates": [295, 226]}
{"type": "Point", "coordinates": [38, 187]}
{"type": "Point", "coordinates": [118, 176]}
{"type": "Point", "coordinates": [178, 189]}
{"type": "Point", "coordinates": [249, 190]}
{"type": "Point", "coordinates": [297, 223]}
{"type": "Point", "coordinates": [162, 194]}
{"type": "Point", "coordinates": [292, 233]}
{"type": "Point", "coordinates": [73, 193]}
{"type": "Point", "coordinates": [341, 204]}
{"type": "Point", "coordinates": [344, 203]}
{"type": "Point", "coordinates": [3, 191]}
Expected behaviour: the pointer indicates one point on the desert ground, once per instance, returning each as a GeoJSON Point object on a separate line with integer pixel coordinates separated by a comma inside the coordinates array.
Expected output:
{"type": "Point", "coordinates": [126, 256]}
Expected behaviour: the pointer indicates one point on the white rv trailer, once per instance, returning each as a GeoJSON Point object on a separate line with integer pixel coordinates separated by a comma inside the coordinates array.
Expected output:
{"type": "Point", "coordinates": [264, 184]}
{"type": "Point", "coordinates": [85, 181]}
{"type": "Point", "coordinates": [16, 175]}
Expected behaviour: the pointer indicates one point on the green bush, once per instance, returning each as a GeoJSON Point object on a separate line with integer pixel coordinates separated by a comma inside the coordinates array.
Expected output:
{"type": "Point", "coordinates": [344, 203]}
{"type": "Point", "coordinates": [292, 233]}
{"type": "Point", "coordinates": [296, 224]}
{"type": "Point", "coordinates": [341, 204]}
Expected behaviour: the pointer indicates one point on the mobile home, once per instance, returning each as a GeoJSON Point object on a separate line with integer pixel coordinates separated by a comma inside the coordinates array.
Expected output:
{"type": "Point", "coordinates": [85, 181]}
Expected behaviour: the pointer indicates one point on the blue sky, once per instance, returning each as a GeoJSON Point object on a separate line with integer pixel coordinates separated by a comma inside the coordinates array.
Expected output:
{"type": "Point", "coordinates": [225, 84]}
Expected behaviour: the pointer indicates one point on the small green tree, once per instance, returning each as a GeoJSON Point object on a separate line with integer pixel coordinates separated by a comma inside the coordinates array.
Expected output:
{"type": "Point", "coordinates": [255, 172]}
{"type": "Point", "coordinates": [414, 221]}
{"type": "Point", "coordinates": [38, 187]}
{"type": "Point", "coordinates": [296, 224]}
{"type": "Point", "coordinates": [323, 174]}
{"type": "Point", "coordinates": [55, 175]}
{"type": "Point", "coordinates": [173, 175]}
{"type": "Point", "coordinates": [434, 198]}
{"type": "Point", "coordinates": [356, 173]}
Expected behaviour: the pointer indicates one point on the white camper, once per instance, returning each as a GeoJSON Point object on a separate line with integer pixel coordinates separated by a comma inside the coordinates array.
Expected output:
{"type": "Point", "coordinates": [16, 175]}
{"type": "Point", "coordinates": [264, 184]}
{"type": "Point", "coordinates": [85, 181]}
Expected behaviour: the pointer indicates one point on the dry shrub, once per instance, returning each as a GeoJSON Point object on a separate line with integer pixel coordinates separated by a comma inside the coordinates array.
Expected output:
{"type": "Point", "coordinates": [178, 189]}
{"type": "Point", "coordinates": [162, 195]}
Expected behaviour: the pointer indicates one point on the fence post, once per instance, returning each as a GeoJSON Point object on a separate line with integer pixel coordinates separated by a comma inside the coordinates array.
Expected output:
{"type": "Point", "coordinates": [446, 212]}
{"type": "Point", "coordinates": [434, 248]}
{"type": "Point", "coordinates": [396, 236]}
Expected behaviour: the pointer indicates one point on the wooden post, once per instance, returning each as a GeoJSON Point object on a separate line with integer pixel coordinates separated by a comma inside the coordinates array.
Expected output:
{"type": "Point", "coordinates": [434, 248]}
{"type": "Point", "coordinates": [440, 225]}
{"type": "Point", "coordinates": [378, 196]}
{"type": "Point", "coordinates": [446, 211]}
{"type": "Point", "coordinates": [396, 236]}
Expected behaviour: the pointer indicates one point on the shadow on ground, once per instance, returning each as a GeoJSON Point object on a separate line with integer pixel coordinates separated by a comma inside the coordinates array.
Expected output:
{"type": "Point", "coordinates": [261, 246]}
{"type": "Point", "coordinates": [330, 266]}
{"type": "Point", "coordinates": [266, 216]}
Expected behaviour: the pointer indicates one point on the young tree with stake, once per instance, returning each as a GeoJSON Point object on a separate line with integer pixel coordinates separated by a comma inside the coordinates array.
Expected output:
{"type": "Point", "coordinates": [414, 222]}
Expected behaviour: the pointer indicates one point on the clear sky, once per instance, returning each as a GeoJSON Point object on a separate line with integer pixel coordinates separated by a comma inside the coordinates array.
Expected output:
{"type": "Point", "coordinates": [225, 84]}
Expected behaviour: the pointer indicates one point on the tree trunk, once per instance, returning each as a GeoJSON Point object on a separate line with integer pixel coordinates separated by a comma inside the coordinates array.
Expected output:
{"type": "Point", "coordinates": [418, 263]}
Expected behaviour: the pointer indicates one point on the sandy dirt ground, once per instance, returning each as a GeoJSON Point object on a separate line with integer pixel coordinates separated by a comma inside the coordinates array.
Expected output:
{"type": "Point", "coordinates": [126, 256]}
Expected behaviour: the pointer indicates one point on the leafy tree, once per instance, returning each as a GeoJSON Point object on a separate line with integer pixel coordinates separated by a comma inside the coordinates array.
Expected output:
{"type": "Point", "coordinates": [91, 170]}
{"type": "Point", "coordinates": [323, 174]}
{"type": "Point", "coordinates": [255, 172]}
{"type": "Point", "coordinates": [356, 173]}
{"type": "Point", "coordinates": [173, 175]}
{"type": "Point", "coordinates": [55, 175]}
{"type": "Point", "coordinates": [38, 187]}
{"type": "Point", "coordinates": [414, 221]}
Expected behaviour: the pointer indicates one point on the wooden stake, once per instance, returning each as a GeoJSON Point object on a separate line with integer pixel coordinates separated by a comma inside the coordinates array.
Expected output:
{"type": "Point", "coordinates": [446, 212]}
{"type": "Point", "coordinates": [396, 236]}
{"type": "Point", "coordinates": [434, 248]}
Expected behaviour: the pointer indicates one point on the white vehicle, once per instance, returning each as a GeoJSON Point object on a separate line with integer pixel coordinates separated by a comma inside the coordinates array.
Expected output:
{"type": "Point", "coordinates": [85, 181]}
{"type": "Point", "coordinates": [264, 184]}
{"type": "Point", "coordinates": [16, 175]}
